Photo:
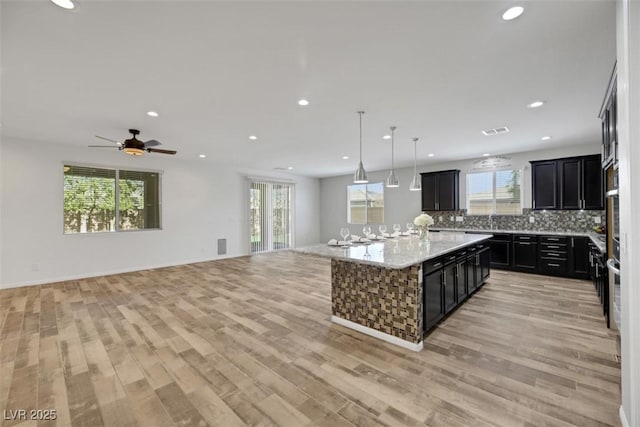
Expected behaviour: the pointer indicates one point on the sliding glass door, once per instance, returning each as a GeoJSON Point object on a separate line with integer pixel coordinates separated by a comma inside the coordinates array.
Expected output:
{"type": "Point", "coordinates": [270, 216]}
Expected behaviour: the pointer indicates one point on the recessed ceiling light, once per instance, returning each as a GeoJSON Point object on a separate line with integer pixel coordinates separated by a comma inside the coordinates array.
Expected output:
{"type": "Point", "coordinates": [253, 137]}
{"type": "Point", "coordinates": [486, 155]}
{"type": "Point", "coordinates": [386, 137]}
{"type": "Point", "coordinates": [345, 157]}
{"type": "Point", "coordinates": [303, 102]}
{"type": "Point", "coordinates": [202, 156]}
{"type": "Point", "coordinates": [290, 167]}
{"type": "Point", "coordinates": [512, 13]}
{"type": "Point", "coordinates": [536, 104]}
{"type": "Point", "coordinates": [545, 138]}
{"type": "Point", "coordinates": [65, 4]}
{"type": "Point", "coordinates": [152, 114]}
{"type": "Point", "coordinates": [431, 154]}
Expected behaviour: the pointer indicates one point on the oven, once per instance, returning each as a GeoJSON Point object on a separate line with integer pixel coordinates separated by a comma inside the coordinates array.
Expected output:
{"type": "Point", "coordinates": [613, 239]}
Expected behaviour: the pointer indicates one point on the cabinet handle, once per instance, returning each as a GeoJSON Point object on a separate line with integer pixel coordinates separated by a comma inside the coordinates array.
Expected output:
{"type": "Point", "coordinates": [444, 280]}
{"type": "Point", "coordinates": [438, 264]}
{"type": "Point", "coordinates": [553, 239]}
{"type": "Point", "coordinates": [597, 270]}
{"type": "Point", "coordinates": [524, 243]}
{"type": "Point", "coordinates": [553, 246]}
{"type": "Point", "coordinates": [554, 265]}
{"type": "Point", "coordinates": [572, 242]}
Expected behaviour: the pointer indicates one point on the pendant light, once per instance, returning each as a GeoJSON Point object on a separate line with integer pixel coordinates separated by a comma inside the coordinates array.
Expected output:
{"type": "Point", "coordinates": [392, 179]}
{"type": "Point", "coordinates": [416, 183]}
{"type": "Point", "coordinates": [360, 177]}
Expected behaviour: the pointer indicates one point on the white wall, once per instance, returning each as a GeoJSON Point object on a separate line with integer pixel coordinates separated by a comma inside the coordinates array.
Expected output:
{"type": "Point", "coordinates": [202, 202]}
{"type": "Point", "coordinates": [628, 55]}
{"type": "Point", "coordinates": [402, 205]}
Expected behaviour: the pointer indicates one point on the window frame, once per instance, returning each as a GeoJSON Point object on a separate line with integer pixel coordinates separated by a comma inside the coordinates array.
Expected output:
{"type": "Point", "coordinates": [494, 200]}
{"type": "Point", "coordinates": [366, 210]}
{"type": "Point", "coordinates": [116, 196]}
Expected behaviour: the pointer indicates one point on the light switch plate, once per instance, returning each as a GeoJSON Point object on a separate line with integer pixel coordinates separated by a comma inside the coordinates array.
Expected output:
{"type": "Point", "coordinates": [597, 219]}
{"type": "Point", "coordinates": [532, 219]}
{"type": "Point", "coordinates": [459, 219]}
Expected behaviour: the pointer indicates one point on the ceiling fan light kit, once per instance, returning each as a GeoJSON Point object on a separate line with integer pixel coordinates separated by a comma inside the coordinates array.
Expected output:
{"type": "Point", "coordinates": [134, 147]}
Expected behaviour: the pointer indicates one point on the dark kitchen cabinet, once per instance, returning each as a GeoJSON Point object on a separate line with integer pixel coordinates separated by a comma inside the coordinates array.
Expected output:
{"type": "Point", "coordinates": [449, 275]}
{"type": "Point", "coordinates": [544, 184]}
{"type": "Point", "coordinates": [569, 183]}
{"type": "Point", "coordinates": [470, 267]}
{"type": "Point", "coordinates": [433, 298]}
{"type": "Point", "coordinates": [525, 253]}
{"type": "Point", "coordinates": [592, 184]}
{"type": "Point", "coordinates": [579, 258]}
{"type": "Point", "coordinates": [500, 245]}
{"type": "Point", "coordinates": [580, 182]}
{"type": "Point", "coordinates": [462, 283]}
{"type": "Point", "coordinates": [609, 118]}
{"type": "Point", "coordinates": [440, 190]}
{"type": "Point", "coordinates": [484, 259]}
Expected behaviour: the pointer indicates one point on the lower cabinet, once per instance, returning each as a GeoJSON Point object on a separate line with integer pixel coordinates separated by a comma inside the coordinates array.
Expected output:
{"type": "Point", "coordinates": [579, 258]}
{"type": "Point", "coordinates": [449, 276]}
{"type": "Point", "coordinates": [525, 254]}
{"type": "Point", "coordinates": [447, 281]}
{"type": "Point", "coordinates": [501, 250]}
{"type": "Point", "coordinates": [433, 296]}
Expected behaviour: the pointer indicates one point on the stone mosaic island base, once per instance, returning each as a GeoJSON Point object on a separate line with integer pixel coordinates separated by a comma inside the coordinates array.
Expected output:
{"type": "Point", "coordinates": [389, 289]}
{"type": "Point", "coordinates": [382, 299]}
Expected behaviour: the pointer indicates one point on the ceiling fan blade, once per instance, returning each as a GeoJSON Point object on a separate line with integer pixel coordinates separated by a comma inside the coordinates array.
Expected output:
{"type": "Point", "coordinates": [107, 139]}
{"type": "Point", "coordinates": [152, 143]}
{"type": "Point", "coordinates": [103, 146]}
{"type": "Point", "coordinates": [157, 150]}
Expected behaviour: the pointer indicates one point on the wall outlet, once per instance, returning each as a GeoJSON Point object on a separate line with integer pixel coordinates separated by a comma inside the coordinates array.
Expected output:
{"type": "Point", "coordinates": [35, 267]}
{"type": "Point", "coordinates": [459, 219]}
{"type": "Point", "coordinates": [440, 218]}
{"type": "Point", "coordinates": [451, 218]}
{"type": "Point", "coordinates": [532, 219]}
{"type": "Point", "coordinates": [597, 219]}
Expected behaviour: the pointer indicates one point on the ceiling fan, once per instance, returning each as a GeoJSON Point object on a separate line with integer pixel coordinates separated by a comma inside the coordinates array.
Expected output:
{"type": "Point", "coordinates": [134, 146]}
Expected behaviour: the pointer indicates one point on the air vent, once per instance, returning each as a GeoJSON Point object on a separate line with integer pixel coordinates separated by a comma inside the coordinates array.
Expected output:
{"type": "Point", "coordinates": [496, 131]}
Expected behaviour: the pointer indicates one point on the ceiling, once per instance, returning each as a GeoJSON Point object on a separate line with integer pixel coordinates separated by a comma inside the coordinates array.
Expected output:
{"type": "Point", "coordinates": [217, 72]}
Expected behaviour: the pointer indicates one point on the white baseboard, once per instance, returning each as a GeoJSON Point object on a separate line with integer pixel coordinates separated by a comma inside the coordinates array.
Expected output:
{"type": "Point", "coordinates": [377, 334]}
{"type": "Point", "coordinates": [110, 272]}
{"type": "Point", "coordinates": [623, 418]}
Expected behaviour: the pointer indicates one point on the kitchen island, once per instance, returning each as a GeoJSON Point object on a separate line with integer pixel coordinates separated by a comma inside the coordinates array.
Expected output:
{"type": "Point", "coordinates": [398, 289]}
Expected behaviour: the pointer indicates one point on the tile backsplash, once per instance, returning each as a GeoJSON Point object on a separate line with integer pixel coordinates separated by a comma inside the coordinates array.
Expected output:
{"type": "Point", "coordinates": [575, 221]}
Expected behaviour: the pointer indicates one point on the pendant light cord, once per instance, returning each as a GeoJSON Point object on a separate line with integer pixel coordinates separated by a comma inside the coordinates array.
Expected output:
{"type": "Point", "coordinates": [393, 129]}
{"type": "Point", "coordinates": [415, 156]}
{"type": "Point", "coordinates": [360, 113]}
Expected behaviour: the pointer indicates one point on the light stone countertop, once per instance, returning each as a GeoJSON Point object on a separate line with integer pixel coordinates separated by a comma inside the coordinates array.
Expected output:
{"type": "Point", "coordinates": [400, 252]}
{"type": "Point", "coordinates": [602, 246]}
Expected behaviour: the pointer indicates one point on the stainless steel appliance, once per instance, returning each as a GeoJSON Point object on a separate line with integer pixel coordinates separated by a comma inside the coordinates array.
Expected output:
{"type": "Point", "coordinates": [613, 239]}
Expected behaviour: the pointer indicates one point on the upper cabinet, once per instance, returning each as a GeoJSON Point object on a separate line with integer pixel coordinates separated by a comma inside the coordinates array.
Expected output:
{"type": "Point", "coordinates": [569, 183]}
{"type": "Point", "coordinates": [440, 190]}
{"type": "Point", "coordinates": [609, 117]}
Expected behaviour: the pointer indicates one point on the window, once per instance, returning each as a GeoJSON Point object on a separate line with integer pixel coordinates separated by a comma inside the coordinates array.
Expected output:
{"type": "Point", "coordinates": [93, 203]}
{"type": "Point", "coordinates": [495, 192]}
{"type": "Point", "coordinates": [365, 203]}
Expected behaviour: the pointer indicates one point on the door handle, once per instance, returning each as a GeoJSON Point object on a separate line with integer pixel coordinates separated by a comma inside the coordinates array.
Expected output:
{"type": "Point", "coordinates": [612, 267]}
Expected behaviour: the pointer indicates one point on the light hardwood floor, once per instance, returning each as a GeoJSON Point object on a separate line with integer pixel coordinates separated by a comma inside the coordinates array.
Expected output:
{"type": "Point", "coordinates": [248, 341]}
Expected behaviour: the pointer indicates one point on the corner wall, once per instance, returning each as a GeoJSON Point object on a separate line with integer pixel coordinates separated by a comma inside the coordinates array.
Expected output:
{"type": "Point", "coordinates": [628, 56]}
{"type": "Point", "coordinates": [201, 202]}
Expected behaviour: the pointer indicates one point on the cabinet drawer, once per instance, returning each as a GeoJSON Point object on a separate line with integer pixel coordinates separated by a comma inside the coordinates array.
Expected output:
{"type": "Point", "coordinates": [553, 247]}
{"type": "Point", "coordinates": [448, 259]}
{"type": "Point", "coordinates": [525, 238]}
{"type": "Point", "coordinates": [432, 265]}
{"type": "Point", "coordinates": [553, 255]}
{"type": "Point", "coordinates": [553, 239]}
{"type": "Point", "coordinates": [553, 266]}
